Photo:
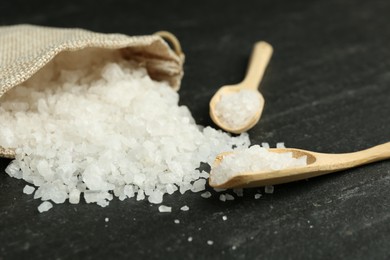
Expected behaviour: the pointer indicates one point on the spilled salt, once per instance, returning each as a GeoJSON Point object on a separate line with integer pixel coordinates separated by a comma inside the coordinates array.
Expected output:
{"type": "Point", "coordinates": [163, 208]}
{"type": "Point", "coordinates": [44, 206]}
{"type": "Point", "coordinates": [28, 189]}
{"type": "Point", "coordinates": [206, 195]}
{"type": "Point", "coordinates": [185, 208]}
{"type": "Point", "coordinates": [104, 129]}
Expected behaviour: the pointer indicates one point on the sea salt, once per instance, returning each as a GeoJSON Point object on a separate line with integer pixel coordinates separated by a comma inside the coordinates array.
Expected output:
{"type": "Point", "coordinates": [224, 218]}
{"type": "Point", "coordinates": [253, 159]}
{"type": "Point", "coordinates": [198, 185]}
{"type": "Point", "coordinates": [206, 195]}
{"type": "Point", "coordinates": [176, 221]}
{"type": "Point", "coordinates": [210, 242]}
{"type": "Point", "coordinates": [229, 197]}
{"type": "Point", "coordinates": [269, 189]}
{"type": "Point", "coordinates": [257, 196]}
{"type": "Point", "coordinates": [189, 239]}
{"type": "Point", "coordinates": [44, 206]}
{"type": "Point", "coordinates": [164, 209]}
{"type": "Point", "coordinates": [185, 208]}
{"type": "Point", "coordinates": [100, 130]}
{"type": "Point", "coordinates": [106, 219]}
{"type": "Point", "coordinates": [237, 109]}
{"type": "Point", "coordinates": [265, 145]}
{"type": "Point", "coordinates": [28, 189]}
{"type": "Point", "coordinates": [222, 197]}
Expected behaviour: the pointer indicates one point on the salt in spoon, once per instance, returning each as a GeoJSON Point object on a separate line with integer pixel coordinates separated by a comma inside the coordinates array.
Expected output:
{"type": "Point", "coordinates": [260, 57]}
{"type": "Point", "coordinates": [317, 164]}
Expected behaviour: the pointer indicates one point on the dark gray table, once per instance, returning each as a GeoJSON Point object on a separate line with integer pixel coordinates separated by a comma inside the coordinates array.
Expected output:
{"type": "Point", "coordinates": [327, 89]}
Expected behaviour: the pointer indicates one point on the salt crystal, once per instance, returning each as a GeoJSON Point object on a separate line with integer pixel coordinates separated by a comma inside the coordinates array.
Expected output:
{"type": "Point", "coordinates": [171, 188]}
{"type": "Point", "coordinates": [265, 145]}
{"type": "Point", "coordinates": [185, 208]}
{"type": "Point", "coordinates": [163, 208]}
{"type": "Point", "coordinates": [128, 190]}
{"type": "Point", "coordinates": [44, 206]}
{"type": "Point", "coordinates": [234, 247]}
{"type": "Point", "coordinates": [74, 196]}
{"type": "Point", "coordinates": [257, 196]}
{"type": "Point", "coordinates": [189, 239]}
{"type": "Point", "coordinates": [210, 242]}
{"type": "Point", "coordinates": [198, 185]}
{"type": "Point", "coordinates": [28, 189]}
{"type": "Point", "coordinates": [206, 195]}
{"type": "Point", "coordinates": [269, 189]}
{"type": "Point", "coordinates": [140, 195]}
{"type": "Point", "coordinates": [176, 221]}
{"type": "Point", "coordinates": [222, 197]}
{"type": "Point", "coordinates": [156, 197]}
{"type": "Point", "coordinates": [280, 145]}
{"type": "Point", "coordinates": [229, 197]}
{"type": "Point", "coordinates": [13, 170]}
{"type": "Point", "coordinates": [224, 218]}
{"type": "Point", "coordinates": [106, 219]}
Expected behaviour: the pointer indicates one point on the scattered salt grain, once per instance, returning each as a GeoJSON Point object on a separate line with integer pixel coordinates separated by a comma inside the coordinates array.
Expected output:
{"type": "Point", "coordinates": [224, 218]}
{"type": "Point", "coordinates": [106, 219]}
{"type": "Point", "coordinates": [189, 239]}
{"type": "Point", "coordinates": [44, 206]}
{"type": "Point", "coordinates": [257, 196]}
{"type": "Point", "coordinates": [280, 145]}
{"type": "Point", "coordinates": [265, 145]}
{"type": "Point", "coordinates": [222, 197]}
{"type": "Point", "coordinates": [176, 221]}
{"type": "Point", "coordinates": [269, 189]}
{"type": "Point", "coordinates": [198, 185]}
{"type": "Point", "coordinates": [210, 242]}
{"type": "Point", "coordinates": [102, 128]}
{"type": "Point", "coordinates": [237, 109]}
{"type": "Point", "coordinates": [229, 197]}
{"type": "Point", "coordinates": [253, 159]}
{"type": "Point", "coordinates": [163, 208]}
{"type": "Point", "coordinates": [234, 247]}
{"type": "Point", "coordinates": [206, 195]}
{"type": "Point", "coordinates": [28, 189]}
{"type": "Point", "coordinates": [185, 208]}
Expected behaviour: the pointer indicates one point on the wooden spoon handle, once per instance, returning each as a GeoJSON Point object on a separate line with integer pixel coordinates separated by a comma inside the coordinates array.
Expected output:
{"type": "Point", "coordinates": [259, 60]}
{"type": "Point", "coordinates": [336, 162]}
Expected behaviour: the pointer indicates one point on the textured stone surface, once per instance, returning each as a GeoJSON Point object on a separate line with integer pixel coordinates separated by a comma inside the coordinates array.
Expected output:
{"type": "Point", "coordinates": [327, 89]}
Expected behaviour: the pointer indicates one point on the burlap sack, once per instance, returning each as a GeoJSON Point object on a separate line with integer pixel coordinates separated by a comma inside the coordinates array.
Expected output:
{"type": "Point", "coordinates": [25, 49]}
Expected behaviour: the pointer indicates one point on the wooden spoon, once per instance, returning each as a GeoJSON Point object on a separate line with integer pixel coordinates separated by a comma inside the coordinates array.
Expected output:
{"type": "Point", "coordinates": [317, 164]}
{"type": "Point", "coordinates": [260, 57]}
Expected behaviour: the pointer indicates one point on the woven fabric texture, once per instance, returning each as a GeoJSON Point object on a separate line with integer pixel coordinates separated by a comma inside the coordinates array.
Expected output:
{"type": "Point", "coordinates": [25, 49]}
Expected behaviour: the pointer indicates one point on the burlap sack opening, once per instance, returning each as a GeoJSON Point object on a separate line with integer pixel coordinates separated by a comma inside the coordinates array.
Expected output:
{"type": "Point", "coordinates": [27, 50]}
